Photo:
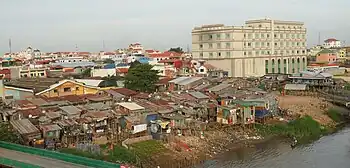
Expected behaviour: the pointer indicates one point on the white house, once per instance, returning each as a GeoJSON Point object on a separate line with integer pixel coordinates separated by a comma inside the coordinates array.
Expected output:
{"type": "Point", "coordinates": [332, 43]}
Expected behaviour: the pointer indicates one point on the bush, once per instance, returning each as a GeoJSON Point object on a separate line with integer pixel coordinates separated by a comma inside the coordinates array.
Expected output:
{"type": "Point", "coordinates": [304, 129]}
{"type": "Point", "coordinates": [335, 115]}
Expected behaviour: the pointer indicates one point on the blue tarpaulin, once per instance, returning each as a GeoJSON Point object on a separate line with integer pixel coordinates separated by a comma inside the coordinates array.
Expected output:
{"type": "Point", "coordinates": [261, 113]}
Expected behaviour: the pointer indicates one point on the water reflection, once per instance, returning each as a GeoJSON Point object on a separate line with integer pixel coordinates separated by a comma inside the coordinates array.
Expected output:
{"type": "Point", "coordinates": [328, 152]}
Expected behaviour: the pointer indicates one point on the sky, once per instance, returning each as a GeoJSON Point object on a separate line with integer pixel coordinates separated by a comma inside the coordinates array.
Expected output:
{"type": "Point", "coordinates": [60, 25]}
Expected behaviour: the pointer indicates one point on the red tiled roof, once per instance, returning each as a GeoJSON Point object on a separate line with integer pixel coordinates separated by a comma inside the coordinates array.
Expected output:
{"type": "Point", "coordinates": [151, 51]}
{"type": "Point", "coordinates": [109, 53]}
{"type": "Point", "coordinates": [165, 54]}
{"type": "Point", "coordinates": [168, 61]}
{"type": "Point", "coordinates": [330, 40]}
{"type": "Point", "coordinates": [42, 62]}
{"type": "Point", "coordinates": [125, 91]}
{"type": "Point", "coordinates": [122, 70]}
{"type": "Point", "coordinates": [83, 53]}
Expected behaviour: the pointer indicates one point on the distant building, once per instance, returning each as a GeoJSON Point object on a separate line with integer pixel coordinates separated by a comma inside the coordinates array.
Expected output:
{"type": "Point", "coordinates": [332, 43]}
{"type": "Point", "coordinates": [326, 56]}
{"type": "Point", "coordinates": [258, 48]}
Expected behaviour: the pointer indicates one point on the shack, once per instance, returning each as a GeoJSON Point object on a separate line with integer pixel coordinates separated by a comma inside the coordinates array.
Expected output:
{"type": "Point", "coordinates": [27, 130]}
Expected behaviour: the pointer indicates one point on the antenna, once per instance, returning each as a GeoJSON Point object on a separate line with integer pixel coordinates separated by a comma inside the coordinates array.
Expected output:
{"type": "Point", "coordinates": [188, 48]}
{"type": "Point", "coordinates": [10, 45]}
{"type": "Point", "coordinates": [103, 45]}
{"type": "Point", "coordinates": [319, 38]}
{"type": "Point", "coordinates": [76, 48]}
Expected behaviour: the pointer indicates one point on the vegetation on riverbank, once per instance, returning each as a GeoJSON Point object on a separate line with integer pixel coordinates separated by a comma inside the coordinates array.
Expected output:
{"type": "Point", "coordinates": [117, 155]}
{"type": "Point", "coordinates": [304, 129]}
{"type": "Point", "coordinates": [335, 115]}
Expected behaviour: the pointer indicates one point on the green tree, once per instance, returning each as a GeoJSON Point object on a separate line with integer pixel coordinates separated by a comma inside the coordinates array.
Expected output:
{"type": "Point", "coordinates": [108, 61]}
{"type": "Point", "coordinates": [7, 134]}
{"type": "Point", "coordinates": [86, 73]}
{"type": "Point", "coordinates": [177, 50]}
{"type": "Point", "coordinates": [133, 64]}
{"type": "Point", "coordinates": [141, 78]}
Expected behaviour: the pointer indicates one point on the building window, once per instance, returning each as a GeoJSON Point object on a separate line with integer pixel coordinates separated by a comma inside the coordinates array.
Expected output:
{"type": "Point", "coordinates": [257, 44]}
{"type": "Point", "coordinates": [268, 52]}
{"type": "Point", "coordinates": [228, 54]}
{"type": "Point", "coordinates": [249, 53]}
{"type": "Point", "coordinates": [219, 54]}
{"type": "Point", "coordinates": [218, 36]}
{"type": "Point", "coordinates": [257, 53]}
{"type": "Point", "coordinates": [200, 38]}
{"type": "Point", "coordinates": [268, 35]}
{"type": "Point", "coordinates": [200, 46]}
{"type": "Point", "coordinates": [67, 89]}
{"type": "Point", "coordinates": [262, 44]}
{"type": "Point", "coordinates": [275, 35]}
{"type": "Point", "coordinates": [273, 62]}
{"type": "Point", "coordinates": [210, 54]}
{"type": "Point", "coordinates": [210, 45]}
{"type": "Point", "coordinates": [257, 35]}
{"type": "Point", "coordinates": [42, 74]}
{"type": "Point", "coordinates": [218, 45]}
{"type": "Point", "coordinates": [77, 88]}
{"type": "Point", "coordinates": [262, 35]}
{"type": "Point", "coordinates": [262, 52]}
{"type": "Point", "coordinates": [201, 54]}
{"type": "Point", "coordinates": [281, 36]}
{"type": "Point", "coordinates": [249, 36]}
{"type": "Point", "coordinates": [268, 44]}
{"type": "Point", "coordinates": [55, 90]}
{"type": "Point", "coordinates": [227, 36]}
{"type": "Point", "coordinates": [244, 53]}
{"type": "Point", "coordinates": [228, 45]}
{"type": "Point", "coordinates": [249, 44]}
{"type": "Point", "coordinates": [276, 44]}
{"type": "Point", "coordinates": [210, 37]}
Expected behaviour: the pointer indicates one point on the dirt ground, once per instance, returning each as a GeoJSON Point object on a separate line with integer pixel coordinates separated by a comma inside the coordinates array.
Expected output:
{"type": "Point", "coordinates": [305, 105]}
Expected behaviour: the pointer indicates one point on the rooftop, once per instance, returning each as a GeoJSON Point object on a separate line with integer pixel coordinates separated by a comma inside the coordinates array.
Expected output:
{"type": "Point", "coordinates": [24, 126]}
{"type": "Point", "coordinates": [131, 106]}
{"type": "Point", "coordinates": [34, 84]}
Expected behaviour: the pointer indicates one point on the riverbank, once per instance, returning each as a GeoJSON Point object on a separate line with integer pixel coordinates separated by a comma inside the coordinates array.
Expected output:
{"type": "Point", "coordinates": [307, 120]}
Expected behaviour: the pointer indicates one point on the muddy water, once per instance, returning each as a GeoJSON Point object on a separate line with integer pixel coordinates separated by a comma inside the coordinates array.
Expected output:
{"type": "Point", "coordinates": [331, 151]}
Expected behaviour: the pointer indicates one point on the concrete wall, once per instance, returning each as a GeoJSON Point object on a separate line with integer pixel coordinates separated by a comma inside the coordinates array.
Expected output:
{"type": "Point", "coordinates": [102, 72]}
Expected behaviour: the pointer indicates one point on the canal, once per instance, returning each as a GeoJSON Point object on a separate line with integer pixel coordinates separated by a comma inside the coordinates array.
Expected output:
{"type": "Point", "coordinates": [329, 151]}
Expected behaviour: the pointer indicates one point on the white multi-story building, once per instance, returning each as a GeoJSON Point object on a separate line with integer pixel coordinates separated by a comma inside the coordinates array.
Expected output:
{"type": "Point", "coordinates": [332, 43]}
{"type": "Point", "coordinates": [260, 47]}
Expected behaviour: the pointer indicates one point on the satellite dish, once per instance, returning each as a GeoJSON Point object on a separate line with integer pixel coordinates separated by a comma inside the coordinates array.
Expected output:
{"type": "Point", "coordinates": [154, 128]}
{"type": "Point", "coordinates": [30, 116]}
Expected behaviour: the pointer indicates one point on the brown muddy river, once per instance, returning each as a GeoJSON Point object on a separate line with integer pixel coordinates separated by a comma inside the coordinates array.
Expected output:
{"type": "Point", "coordinates": [331, 151]}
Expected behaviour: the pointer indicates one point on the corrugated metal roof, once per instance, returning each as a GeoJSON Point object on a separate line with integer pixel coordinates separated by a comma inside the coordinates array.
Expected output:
{"type": "Point", "coordinates": [199, 95]}
{"type": "Point", "coordinates": [189, 80]}
{"type": "Point", "coordinates": [24, 126]}
{"type": "Point", "coordinates": [295, 87]}
{"type": "Point", "coordinates": [219, 87]}
{"type": "Point", "coordinates": [131, 106]}
{"type": "Point", "coordinates": [114, 94]}
{"type": "Point", "coordinates": [50, 127]}
{"type": "Point", "coordinates": [90, 82]}
{"type": "Point", "coordinates": [179, 79]}
{"type": "Point", "coordinates": [72, 110]}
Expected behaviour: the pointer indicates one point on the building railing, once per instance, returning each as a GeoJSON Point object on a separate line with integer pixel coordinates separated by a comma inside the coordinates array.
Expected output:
{"type": "Point", "coordinates": [58, 156]}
